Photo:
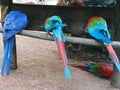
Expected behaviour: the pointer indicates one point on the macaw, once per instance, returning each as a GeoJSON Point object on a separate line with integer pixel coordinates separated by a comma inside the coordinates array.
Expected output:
{"type": "Point", "coordinates": [55, 25]}
{"type": "Point", "coordinates": [15, 21]}
{"type": "Point", "coordinates": [101, 70]}
{"type": "Point", "coordinates": [97, 28]}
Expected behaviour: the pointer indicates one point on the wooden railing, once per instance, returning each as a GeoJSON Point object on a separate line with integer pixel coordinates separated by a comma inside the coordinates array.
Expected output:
{"type": "Point", "coordinates": [71, 39]}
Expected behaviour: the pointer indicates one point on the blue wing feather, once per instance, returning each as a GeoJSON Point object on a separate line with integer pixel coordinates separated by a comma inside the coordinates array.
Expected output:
{"type": "Point", "coordinates": [97, 34]}
{"type": "Point", "coordinates": [15, 21]}
{"type": "Point", "coordinates": [58, 33]}
{"type": "Point", "coordinates": [4, 58]}
{"type": "Point", "coordinates": [11, 42]}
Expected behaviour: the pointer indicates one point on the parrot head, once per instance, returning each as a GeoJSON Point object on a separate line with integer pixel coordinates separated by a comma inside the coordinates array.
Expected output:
{"type": "Point", "coordinates": [105, 70]}
{"type": "Point", "coordinates": [97, 28]}
{"type": "Point", "coordinates": [53, 22]}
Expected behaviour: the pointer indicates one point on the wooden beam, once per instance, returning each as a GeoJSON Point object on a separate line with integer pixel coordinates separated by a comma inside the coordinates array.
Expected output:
{"type": "Point", "coordinates": [71, 39]}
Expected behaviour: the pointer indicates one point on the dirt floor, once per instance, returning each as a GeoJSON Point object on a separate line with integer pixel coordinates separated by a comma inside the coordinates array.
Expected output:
{"type": "Point", "coordinates": [40, 68]}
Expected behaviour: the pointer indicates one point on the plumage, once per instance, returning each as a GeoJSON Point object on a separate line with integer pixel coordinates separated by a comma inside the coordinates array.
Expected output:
{"type": "Point", "coordinates": [101, 70]}
{"type": "Point", "coordinates": [15, 21]}
{"type": "Point", "coordinates": [97, 28]}
{"type": "Point", "coordinates": [54, 24]}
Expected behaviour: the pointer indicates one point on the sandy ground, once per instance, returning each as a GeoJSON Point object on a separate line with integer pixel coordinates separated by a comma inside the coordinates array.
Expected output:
{"type": "Point", "coordinates": [40, 68]}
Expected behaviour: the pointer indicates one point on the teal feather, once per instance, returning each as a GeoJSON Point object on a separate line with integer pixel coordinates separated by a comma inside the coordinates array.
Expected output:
{"type": "Point", "coordinates": [67, 73]}
{"type": "Point", "coordinates": [93, 68]}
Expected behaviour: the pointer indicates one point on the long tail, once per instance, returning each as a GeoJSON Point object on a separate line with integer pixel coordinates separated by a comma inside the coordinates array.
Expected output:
{"type": "Point", "coordinates": [5, 57]}
{"type": "Point", "coordinates": [11, 42]}
{"type": "Point", "coordinates": [64, 57]}
{"type": "Point", "coordinates": [113, 56]}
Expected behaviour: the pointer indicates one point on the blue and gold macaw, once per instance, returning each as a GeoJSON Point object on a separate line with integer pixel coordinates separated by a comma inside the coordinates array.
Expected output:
{"type": "Point", "coordinates": [97, 28]}
{"type": "Point", "coordinates": [15, 21]}
{"type": "Point", "coordinates": [55, 25]}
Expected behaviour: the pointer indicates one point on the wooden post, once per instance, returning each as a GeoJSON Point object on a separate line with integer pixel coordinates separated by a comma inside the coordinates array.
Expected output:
{"type": "Point", "coordinates": [5, 8]}
{"type": "Point", "coordinates": [116, 75]}
{"type": "Point", "coordinates": [14, 57]}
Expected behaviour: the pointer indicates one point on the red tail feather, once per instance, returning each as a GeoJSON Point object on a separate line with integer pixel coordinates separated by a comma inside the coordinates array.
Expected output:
{"type": "Point", "coordinates": [62, 52]}
{"type": "Point", "coordinates": [80, 65]}
{"type": "Point", "coordinates": [112, 53]}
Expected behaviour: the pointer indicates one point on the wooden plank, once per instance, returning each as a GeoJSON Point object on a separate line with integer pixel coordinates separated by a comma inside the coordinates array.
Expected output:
{"type": "Point", "coordinates": [14, 56]}
{"type": "Point", "coordinates": [5, 8]}
{"type": "Point", "coordinates": [77, 40]}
